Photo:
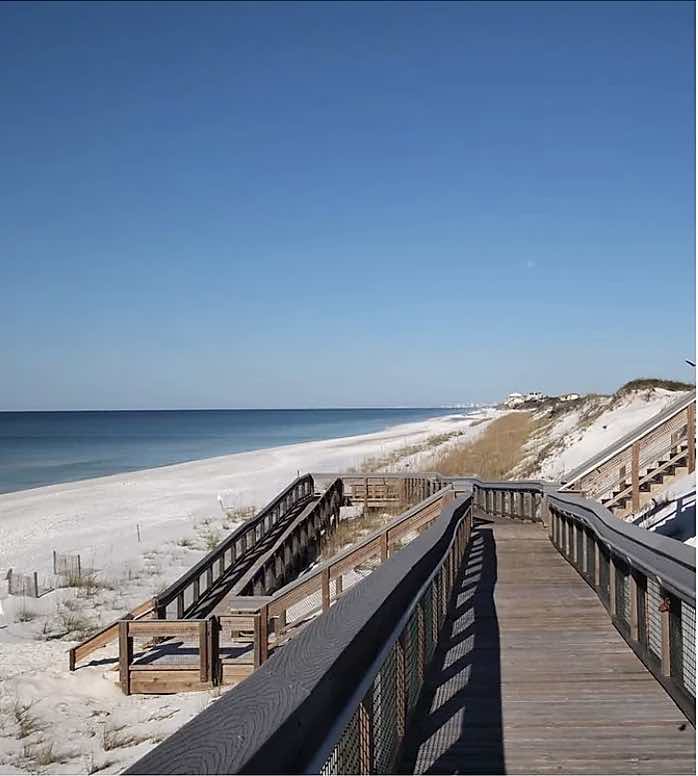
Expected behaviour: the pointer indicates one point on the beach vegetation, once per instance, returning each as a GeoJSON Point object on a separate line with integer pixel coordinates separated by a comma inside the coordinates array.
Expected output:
{"type": "Point", "coordinates": [24, 613]}
{"type": "Point", "coordinates": [75, 623]}
{"type": "Point", "coordinates": [648, 383]}
{"type": "Point", "coordinates": [494, 453]}
{"type": "Point", "coordinates": [211, 538]}
{"type": "Point", "coordinates": [27, 723]}
{"type": "Point", "coordinates": [119, 737]}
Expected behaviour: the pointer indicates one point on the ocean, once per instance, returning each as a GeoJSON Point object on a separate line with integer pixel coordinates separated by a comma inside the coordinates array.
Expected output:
{"type": "Point", "coordinates": [44, 448]}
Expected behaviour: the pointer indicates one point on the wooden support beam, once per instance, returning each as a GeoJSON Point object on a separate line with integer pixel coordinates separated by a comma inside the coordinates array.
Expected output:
{"type": "Point", "coordinates": [612, 586]}
{"type": "Point", "coordinates": [325, 582]}
{"type": "Point", "coordinates": [665, 615]}
{"type": "Point", "coordinates": [261, 636]}
{"type": "Point", "coordinates": [634, 617]}
{"type": "Point", "coordinates": [125, 657]}
{"type": "Point", "coordinates": [203, 652]}
{"type": "Point", "coordinates": [691, 419]}
{"type": "Point", "coordinates": [635, 476]}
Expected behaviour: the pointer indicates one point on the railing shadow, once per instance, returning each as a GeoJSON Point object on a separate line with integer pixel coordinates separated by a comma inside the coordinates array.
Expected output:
{"type": "Point", "coordinates": [457, 724]}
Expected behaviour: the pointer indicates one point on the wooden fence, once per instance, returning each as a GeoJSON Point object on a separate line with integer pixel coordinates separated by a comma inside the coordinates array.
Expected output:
{"type": "Point", "coordinates": [188, 590]}
{"type": "Point", "coordinates": [254, 625]}
{"type": "Point", "coordinates": [645, 581]}
{"type": "Point", "coordinates": [620, 475]}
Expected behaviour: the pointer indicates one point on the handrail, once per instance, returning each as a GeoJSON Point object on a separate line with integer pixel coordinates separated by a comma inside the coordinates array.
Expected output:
{"type": "Point", "coordinates": [331, 495]}
{"type": "Point", "coordinates": [338, 559]}
{"type": "Point", "coordinates": [667, 559]}
{"type": "Point", "coordinates": [283, 718]}
{"type": "Point", "coordinates": [107, 634]}
{"type": "Point", "coordinates": [300, 489]}
{"type": "Point", "coordinates": [646, 581]}
{"type": "Point", "coordinates": [625, 443]}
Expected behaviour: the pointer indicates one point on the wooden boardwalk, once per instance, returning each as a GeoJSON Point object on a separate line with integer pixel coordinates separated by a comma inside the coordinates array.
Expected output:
{"type": "Point", "coordinates": [530, 676]}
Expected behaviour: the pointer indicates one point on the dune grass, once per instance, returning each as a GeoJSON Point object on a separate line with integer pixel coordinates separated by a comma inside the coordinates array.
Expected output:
{"type": "Point", "coordinates": [494, 453]}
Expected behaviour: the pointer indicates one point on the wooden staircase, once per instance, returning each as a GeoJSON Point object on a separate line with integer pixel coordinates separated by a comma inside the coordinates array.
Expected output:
{"type": "Point", "coordinates": [653, 479]}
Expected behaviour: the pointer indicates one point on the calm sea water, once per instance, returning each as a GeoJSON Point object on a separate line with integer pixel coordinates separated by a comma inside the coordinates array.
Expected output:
{"type": "Point", "coordinates": [43, 448]}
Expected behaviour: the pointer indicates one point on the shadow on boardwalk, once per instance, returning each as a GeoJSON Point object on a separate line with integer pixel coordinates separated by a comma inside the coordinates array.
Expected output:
{"type": "Point", "coordinates": [457, 724]}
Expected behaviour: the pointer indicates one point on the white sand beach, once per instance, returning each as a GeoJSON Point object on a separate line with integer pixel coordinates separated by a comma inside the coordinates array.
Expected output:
{"type": "Point", "coordinates": [81, 721]}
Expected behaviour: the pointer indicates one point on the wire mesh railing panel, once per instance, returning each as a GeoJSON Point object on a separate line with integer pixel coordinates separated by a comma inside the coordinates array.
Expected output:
{"type": "Point", "coordinates": [654, 618]}
{"type": "Point", "coordinates": [427, 607]}
{"type": "Point", "coordinates": [412, 666]}
{"type": "Point", "coordinates": [345, 758]}
{"type": "Point", "coordinates": [688, 641]}
{"type": "Point", "coordinates": [300, 611]}
{"type": "Point", "coordinates": [385, 716]}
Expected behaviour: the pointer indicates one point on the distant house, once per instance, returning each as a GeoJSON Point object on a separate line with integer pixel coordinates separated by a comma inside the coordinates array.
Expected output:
{"type": "Point", "coordinates": [514, 400]}
{"type": "Point", "coordinates": [534, 396]}
{"type": "Point", "coordinates": [569, 396]}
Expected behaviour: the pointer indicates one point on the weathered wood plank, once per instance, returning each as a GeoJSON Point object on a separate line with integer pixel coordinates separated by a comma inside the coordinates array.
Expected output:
{"type": "Point", "coordinates": [530, 676]}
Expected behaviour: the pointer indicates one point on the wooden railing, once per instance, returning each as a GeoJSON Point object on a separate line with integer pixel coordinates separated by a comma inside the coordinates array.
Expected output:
{"type": "Point", "coordinates": [258, 624]}
{"type": "Point", "coordinates": [648, 589]}
{"type": "Point", "coordinates": [620, 471]}
{"type": "Point", "coordinates": [188, 590]}
{"type": "Point", "coordinates": [339, 697]}
{"type": "Point", "coordinates": [374, 491]}
{"type": "Point", "coordinates": [645, 581]}
{"type": "Point", "coordinates": [107, 634]}
{"type": "Point", "coordinates": [299, 543]}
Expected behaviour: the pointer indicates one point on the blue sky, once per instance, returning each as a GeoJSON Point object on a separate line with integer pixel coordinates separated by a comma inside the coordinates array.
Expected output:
{"type": "Point", "coordinates": [260, 205]}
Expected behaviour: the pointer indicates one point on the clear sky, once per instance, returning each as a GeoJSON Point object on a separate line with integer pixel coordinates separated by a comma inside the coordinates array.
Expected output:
{"type": "Point", "coordinates": [260, 205]}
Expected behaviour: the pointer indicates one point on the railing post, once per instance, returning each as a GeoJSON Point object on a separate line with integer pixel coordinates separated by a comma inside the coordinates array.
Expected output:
{"type": "Point", "coordinates": [261, 636]}
{"type": "Point", "coordinates": [325, 583]}
{"type": "Point", "coordinates": [597, 564]}
{"type": "Point", "coordinates": [125, 657]}
{"type": "Point", "coordinates": [214, 650]}
{"type": "Point", "coordinates": [664, 610]}
{"type": "Point", "coordinates": [635, 475]}
{"type": "Point", "coordinates": [203, 652]}
{"type": "Point", "coordinates": [384, 546]}
{"type": "Point", "coordinates": [612, 586]}
{"type": "Point", "coordinates": [634, 616]}
{"type": "Point", "coordinates": [691, 452]}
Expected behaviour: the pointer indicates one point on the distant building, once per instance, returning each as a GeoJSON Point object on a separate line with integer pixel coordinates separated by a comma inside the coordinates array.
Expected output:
{"type": "Point", "coordinates": [513, 400]}
{"type": "Point", "coordinates": [534, 396]}
{"type": "Point", "coordinates": [569, 396]}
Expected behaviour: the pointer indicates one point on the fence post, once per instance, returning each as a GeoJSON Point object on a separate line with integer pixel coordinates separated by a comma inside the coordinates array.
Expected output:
{"type": "Point", "coordinates": [612, 586]}
{"type": "Point", "coordinates": [384, 546]}
{"type": "Point", "coordinates": [325, 582]}
{"type": "Point", "coordinates": [634, 618]}
{"type": "Point", "coordinates": [54, 562]}
{"type": "Point", "coordinates": [635, 474]}
{"type": "Point", "coordinates": [691, 420]}
{"type": "Point", "coordinates": [203, 652]}
{"type": "Point", "coordinates": [36, 585]}
{"type": "Point", "coordinates": [125, 657]}
{"type": "Point", "coordinates": [261, 636]}
{"type": "Point", "coordinates": [664, 609]}
{"type": "Point", "coordinates": [213, 649]}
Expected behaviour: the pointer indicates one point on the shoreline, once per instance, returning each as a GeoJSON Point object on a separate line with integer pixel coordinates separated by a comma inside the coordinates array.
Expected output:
{"type": "Point", "coordinates": [100, 452]}
{"type": "Point", "coordinates": [163, 501]}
